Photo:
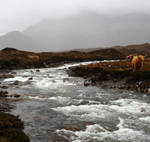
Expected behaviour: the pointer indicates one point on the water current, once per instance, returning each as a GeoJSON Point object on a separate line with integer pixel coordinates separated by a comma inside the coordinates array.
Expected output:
{"type": "Point", "coordinates": [52, 103]}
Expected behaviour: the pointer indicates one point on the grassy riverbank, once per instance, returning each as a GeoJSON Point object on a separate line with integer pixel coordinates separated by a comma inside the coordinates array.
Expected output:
{"type": "Point", "coordinates": [11, 58]}
{"type": "Point", "coordinates": [11, 129]}
{"type": "Point", "coordinates": [119, 73]}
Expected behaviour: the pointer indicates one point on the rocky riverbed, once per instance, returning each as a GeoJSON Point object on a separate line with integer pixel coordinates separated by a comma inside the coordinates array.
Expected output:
{"type": "Point", "coordinates": [11, 127]}
{"type": "Point", "coordinates": [56, 107]}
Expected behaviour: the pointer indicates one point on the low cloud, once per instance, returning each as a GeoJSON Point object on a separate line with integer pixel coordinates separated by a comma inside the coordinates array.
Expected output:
{"type": "Point", "coordinates": [19, 14]}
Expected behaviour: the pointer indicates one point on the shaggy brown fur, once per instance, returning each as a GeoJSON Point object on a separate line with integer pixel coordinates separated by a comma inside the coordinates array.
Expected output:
{"type": "Point", "coordinates": [136, 61]}
{"type": "Point", "coordinates": [33, 57]}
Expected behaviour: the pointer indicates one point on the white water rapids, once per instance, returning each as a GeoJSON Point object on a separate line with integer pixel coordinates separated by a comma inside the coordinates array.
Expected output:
{"type": "Point", "coordinates": [52, 100]}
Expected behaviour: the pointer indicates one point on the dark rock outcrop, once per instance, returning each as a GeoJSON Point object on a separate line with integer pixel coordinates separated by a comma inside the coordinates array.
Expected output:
{"type": "Point", "coordinates": [118, 72]}
{"type": "Point", "coordinates": [3, 94]}
{"type": "Point", "coordinates": [11, 129]}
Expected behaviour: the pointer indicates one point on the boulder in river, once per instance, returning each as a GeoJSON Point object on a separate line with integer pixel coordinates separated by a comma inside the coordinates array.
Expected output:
{"type": "Point", "coordinates": [57, 138]}
{"type": "Point", "coordinates": [16, 82]}
{"type": "Point", "coordinates": [3, 93]}
{"type": "Point", "coordinates": [30, 78]}
{"type": "Point", "coordinates": [65, 79]}
{"type": "Point", "coordinates": [4, 87]}
{"type": "Point", "coordinates": [11, 129]}
{"type": "Point", "coordinates": [6, 75]}
{"type": "Point", "coordinates": [15, 95]}
{"type": "Point", "coordinates": [37, 70]}
{"type": "Point", "coordinates": [87, 82]}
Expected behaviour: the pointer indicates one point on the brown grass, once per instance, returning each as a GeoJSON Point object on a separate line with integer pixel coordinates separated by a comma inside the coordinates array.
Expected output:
{"type": "Point", "coordinates": [111, 70]}
{"type": "Point", "coordinates": [11, 129]}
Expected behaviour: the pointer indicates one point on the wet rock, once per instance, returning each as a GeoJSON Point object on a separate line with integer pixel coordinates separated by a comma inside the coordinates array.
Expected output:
{"type": "Point", "coordinates": [30, 78]}
{"type": "Point", "coordinates": [65, 79]}
{"type": "Point", "coordinates": [57, 138]}
{"type": "Point", "coordinates": [112, 86]}
{"type": "Point", "coordinates": [111, 129]}
{"type": "Point", "coordinates": [148, 91]}
{"type": "Point", "coordinates": [94, 80]}
{"type": "Point", "coordinates": [143, 110]}
{"type": "Point", "coordinates": [6, 76]}
{"type": "Point", "coordinates": [81, 126]}
{"type": "Point", "coordinates": [143, 86]}
{"type": "Point", "coordinates": [127, 87]}
{"type": "Point", "coordinates": [87, 82]}
{"type": "Point", "coordinates": [13, 72]}
{"type": "Point", "coordinates": [16, 82]}
{"type": "Point", "coordinates": [53, 81]}
{"type": "Point", "coordinates": [99, 84]}
{"type": "Point", "coordinates": [36, 118]}
{"type": "Point", "coordinates": [25, 83]}
{"type": "Point", "coordinates": [5, 105]}
{"type": "Point", "coordinates": [108, 76]}
{"type": "Point", "coordinates": [84, 102]}
{"type": "Point", "coordinates": [115, 80]}
{"type": "Point", "coordinates": [3, 93]}
{"type": "Point", "coordinates": [37, 70]}
{"type": "Point", "coordinates": [105, 86]}
{"type": "Point", "coordinates": [122, 87]}
{"type": "Point", "coordinates": [124, 97]}
{"type": "Point", "coordinates": [4, 87]}
{"type": "Point", "coordinates": [85, 124]}
{"type": "Point", "coordinates": [15, 95]}
{"type": "Point", "coordinates": [72, 127]}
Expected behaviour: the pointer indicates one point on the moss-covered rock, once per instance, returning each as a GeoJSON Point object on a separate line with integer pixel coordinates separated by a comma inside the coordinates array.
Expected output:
{"type": "Point", "coordinates": [11, 129]}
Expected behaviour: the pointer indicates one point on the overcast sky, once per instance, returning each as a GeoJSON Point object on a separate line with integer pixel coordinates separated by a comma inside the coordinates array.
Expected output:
{"type": "Point", "coordinates": [19, 14]}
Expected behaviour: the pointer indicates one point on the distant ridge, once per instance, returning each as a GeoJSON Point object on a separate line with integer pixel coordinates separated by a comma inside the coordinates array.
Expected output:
{"type": "Point", "coordinates": [85, 30]}
{"type": "Point", "coordinates": [17, 40]}
{"type": "Point", "coordinates": [11, 58]}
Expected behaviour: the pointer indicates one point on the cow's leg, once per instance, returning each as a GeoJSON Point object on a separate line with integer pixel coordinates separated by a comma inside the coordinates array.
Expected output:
{"type": "Point", "coordinates": [134, 66]}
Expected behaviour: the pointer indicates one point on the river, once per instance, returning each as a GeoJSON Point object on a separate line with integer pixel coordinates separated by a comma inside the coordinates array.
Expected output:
{"type": "Point", "coordinates": [51, 102]}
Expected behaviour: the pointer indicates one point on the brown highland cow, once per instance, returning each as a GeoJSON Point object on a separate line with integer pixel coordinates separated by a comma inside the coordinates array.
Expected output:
{"type": "Point", "coordinates": [136, 61]}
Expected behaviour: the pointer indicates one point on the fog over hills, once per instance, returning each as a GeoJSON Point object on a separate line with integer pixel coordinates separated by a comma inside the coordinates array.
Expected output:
{"type": "Point", "coordinates": [17, 40]}
{"type": "Point", "coordinates": [84, 30]}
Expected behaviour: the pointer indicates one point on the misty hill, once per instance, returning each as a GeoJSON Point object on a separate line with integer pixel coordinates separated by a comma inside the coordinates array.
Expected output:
{"type": "Point", "coordinates": [88, 30]}
{"type": "Point", "coordinates": [85, 30]}
{"type": "Point", "coordinates": [17, 40]}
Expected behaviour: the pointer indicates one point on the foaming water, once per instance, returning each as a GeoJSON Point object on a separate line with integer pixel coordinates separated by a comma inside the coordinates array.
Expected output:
{"type": "Point", "coordinates": [145, 119]}
{"type": "Point", "coordinates": [18, 78]}
{"type": "Point", "coordinates": [87, 112]}
{"type": "Point", "coordinates": [97, 133]}
{"type": "Point", "coordinates": [51, 100]}
{"type": "Point", "coordinates": [51, 83]}
{"type": "Point", "coordinates": [131, 106]}
{"type": "Point", "coordinates": [58, 99]}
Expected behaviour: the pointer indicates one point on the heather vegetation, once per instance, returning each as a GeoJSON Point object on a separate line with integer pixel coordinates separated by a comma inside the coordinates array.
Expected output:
{"type": "Point", "coordinates": [116, 72]}
{"type": "Point", "coordinates": [11, 58]}
{"type": "Point", "coordinates": [11, 129]}
{"type": "Point", "coordinates": [119, 72]}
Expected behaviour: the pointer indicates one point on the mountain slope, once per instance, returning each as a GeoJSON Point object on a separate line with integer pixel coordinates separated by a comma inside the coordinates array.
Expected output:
{"type": "Point", "coordinates": [85, 30]}
{"type": "Point", "coordinates": [17, 40]}
{"type": "Point", "coordinates": [90, 30]}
